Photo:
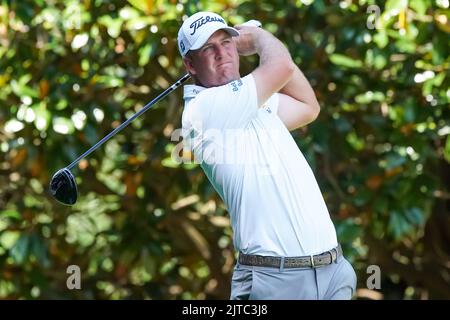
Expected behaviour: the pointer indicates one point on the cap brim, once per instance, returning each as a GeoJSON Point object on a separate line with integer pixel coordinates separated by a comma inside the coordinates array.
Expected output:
{"type": "Point", "coordinates": [205, 36]}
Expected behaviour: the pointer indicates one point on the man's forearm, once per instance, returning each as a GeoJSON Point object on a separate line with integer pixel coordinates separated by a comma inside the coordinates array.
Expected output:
{"type": "Point", "coordinates": [270, 49]}
{"type": "Point", "coordinates": [275, 63]}
{"type": "Point", "coordinates": [298, 87]}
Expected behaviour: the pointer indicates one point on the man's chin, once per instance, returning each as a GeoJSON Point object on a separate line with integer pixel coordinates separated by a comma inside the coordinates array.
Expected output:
{"type": "Point", "coordinates": [223, 79]}
{"type": "Point", "coordinates": [229, 78]}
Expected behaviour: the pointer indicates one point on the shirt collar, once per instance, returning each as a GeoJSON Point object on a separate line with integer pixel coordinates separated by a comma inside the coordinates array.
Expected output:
{"type": "Point", "coordinates": [191, 90]}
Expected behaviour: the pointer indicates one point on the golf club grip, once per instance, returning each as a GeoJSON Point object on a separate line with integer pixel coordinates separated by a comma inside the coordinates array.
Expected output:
{"type": "Point", "coordinates": [127, 122]}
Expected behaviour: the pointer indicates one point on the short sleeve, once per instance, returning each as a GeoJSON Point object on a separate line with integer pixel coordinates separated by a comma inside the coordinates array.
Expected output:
{"type": "Point", "coordinates": [231, 106]}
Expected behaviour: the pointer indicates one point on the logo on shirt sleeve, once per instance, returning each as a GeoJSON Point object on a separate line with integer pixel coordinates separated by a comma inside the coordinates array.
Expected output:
{"type": "Point", "coordinates": [266, 107]}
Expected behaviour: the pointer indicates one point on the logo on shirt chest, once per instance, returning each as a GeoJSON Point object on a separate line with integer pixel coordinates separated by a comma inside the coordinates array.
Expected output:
{"type": "Point", "coordinates": [236, 84]}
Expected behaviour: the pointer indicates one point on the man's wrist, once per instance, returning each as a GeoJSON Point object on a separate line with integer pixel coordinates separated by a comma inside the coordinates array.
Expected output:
{"type": "Point", "coordinates": [263, 40]}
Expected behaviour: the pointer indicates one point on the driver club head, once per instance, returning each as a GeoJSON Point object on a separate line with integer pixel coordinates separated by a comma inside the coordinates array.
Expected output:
{"type": "Point", "coordinates": [63, 187]}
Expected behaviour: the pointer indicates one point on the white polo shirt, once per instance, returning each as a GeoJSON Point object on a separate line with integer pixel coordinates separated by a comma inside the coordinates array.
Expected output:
{"type": "Point", "coordinates": [275, 204]}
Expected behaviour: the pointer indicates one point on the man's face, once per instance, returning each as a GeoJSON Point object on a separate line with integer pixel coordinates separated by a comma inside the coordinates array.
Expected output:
{"type": "Point", "coordinates": [216, 63]}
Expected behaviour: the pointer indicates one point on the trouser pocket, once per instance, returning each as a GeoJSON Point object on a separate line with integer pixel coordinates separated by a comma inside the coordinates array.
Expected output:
{"type": "Point", "coordinates": [241, 284]}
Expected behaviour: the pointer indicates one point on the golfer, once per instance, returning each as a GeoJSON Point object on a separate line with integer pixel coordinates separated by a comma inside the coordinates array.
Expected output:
{"type": "Point", "coordinates": [238, 129]}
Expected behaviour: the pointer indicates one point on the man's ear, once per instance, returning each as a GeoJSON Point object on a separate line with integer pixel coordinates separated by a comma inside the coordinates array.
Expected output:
{"type": "Point", "coordinates": [189, 65]}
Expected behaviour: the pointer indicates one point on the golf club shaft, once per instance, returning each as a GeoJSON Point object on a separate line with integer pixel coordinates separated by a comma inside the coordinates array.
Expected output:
{"type": "Point", "coordinates": [137, 114]}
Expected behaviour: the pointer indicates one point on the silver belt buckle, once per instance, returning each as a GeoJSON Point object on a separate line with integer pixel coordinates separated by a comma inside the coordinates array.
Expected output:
{"type": "Point", "coordinates": [337, 254]}
{"type": "Point", "coordinates": [312, 261]}
{"type": "Point", "coordinates": [333, 258]}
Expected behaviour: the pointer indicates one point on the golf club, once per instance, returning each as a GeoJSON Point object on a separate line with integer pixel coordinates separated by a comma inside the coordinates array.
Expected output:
{"type": "Point", "coordinates": [63, 186]}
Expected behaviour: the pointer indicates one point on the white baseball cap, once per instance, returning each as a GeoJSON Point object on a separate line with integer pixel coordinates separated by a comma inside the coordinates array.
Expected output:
{"type": "Point", "coordinates": [197, 29]}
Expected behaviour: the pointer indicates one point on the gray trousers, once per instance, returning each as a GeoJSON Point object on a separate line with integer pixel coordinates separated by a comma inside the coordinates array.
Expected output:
{"type": "Point", "coordinates": [336, 281]}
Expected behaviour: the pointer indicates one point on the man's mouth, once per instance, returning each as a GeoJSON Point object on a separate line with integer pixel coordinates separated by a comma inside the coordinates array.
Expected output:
{"type": "Point", "coordinates": [223, 63]}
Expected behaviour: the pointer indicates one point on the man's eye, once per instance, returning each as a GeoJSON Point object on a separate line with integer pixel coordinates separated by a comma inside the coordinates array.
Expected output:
{"type": "Point", "coordinates": [207, 49]}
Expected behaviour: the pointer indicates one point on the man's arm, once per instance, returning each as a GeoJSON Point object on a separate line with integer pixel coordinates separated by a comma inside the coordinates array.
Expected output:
{"type": "Point", "coordinates": [275, 68]}
{"type": "Point", "coordinates": [298, 104]}
{"type": "Point", "coordinates": [277, 72]}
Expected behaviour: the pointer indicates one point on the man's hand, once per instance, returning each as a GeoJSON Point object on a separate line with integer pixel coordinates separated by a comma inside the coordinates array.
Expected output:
{"type": "Point", "coordinates": [245, 42]}
{"type": "Point", "coordinates": [298, 105]}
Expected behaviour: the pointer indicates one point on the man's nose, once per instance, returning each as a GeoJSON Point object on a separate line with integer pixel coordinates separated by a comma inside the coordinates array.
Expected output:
{"type": "Point", "coordinates": [220, 52]}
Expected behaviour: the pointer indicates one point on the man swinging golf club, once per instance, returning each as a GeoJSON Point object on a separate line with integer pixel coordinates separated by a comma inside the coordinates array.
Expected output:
{"type": "Point", "coordinates": [287, 243]}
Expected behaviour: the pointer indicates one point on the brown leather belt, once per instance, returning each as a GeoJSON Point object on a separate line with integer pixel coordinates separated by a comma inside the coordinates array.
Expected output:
{"type": "Point", "coordinates": [318, 260]}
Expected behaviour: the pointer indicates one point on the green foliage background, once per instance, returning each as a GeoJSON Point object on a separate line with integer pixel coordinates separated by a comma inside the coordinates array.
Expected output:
{"type": "Point", "coordinates": [147, 227]}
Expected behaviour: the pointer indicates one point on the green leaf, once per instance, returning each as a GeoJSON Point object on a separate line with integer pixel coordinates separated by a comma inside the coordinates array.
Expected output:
{"type": "Point", "coordinates": [142, 5]}
{"type": "Point", "coordinates": [362, 197]}
{"type": "Point", "coordinates": [21, 89]}
{"type": "Point", "coordinates": [129, 13]}
{"type": "Point", "coordinates": [348, 230]}
{"type": "Point", "coordinates": [369, 96]}
{"type": "Point", "coordinates": [9, 238]}
{"type": "Point", "coordinates": [145, 54]}
{"type": "Point", "coordinates": [394, 160]}
{"type": "Point", "coordinates": [406, 45]}
{"type": "Point", "coordinates": [420, 6]}
{"type": "Point", "coordinates": [381, 39]}
{"type": "Point", "coordinates": [399, 226]}
{"type": "Point", "coordinates": [19, 252]}
{"type": "Point", "coordinates": [344, 61]}
{"type": "Point", "coordinates": [395, 5]}
{"type": "Point", "coordinates": [447, 149]}
{"type": "Point", "coordinates": [63, 125]}
{"type": "Point", "coordinates": [110, 81]}
{"type": "Point", "coordinates": [113, 25]}
{"type": "Point", "coordinates": [42, 120]}
{"type": "Point", "coordinates": [170, 163]}
{"type": "Point", "coordinates": [342, 124]}
{"type": "Point", "coordinates": [39, 250]}
{"type": "Point", "coordinates": [354, 141]}
{"type": "Point", "coordinates": [415, 216]}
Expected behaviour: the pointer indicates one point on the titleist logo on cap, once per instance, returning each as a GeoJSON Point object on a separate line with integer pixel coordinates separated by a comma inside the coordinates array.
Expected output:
{"type": "Point", "coordinates": [203, 20]}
